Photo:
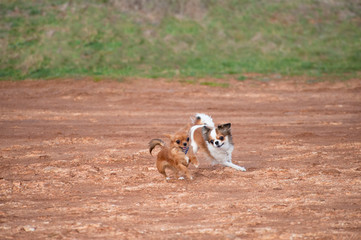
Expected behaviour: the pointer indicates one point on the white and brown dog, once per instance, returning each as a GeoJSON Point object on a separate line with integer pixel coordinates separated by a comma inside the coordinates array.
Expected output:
{"type": "Point", "coordinates": [216, 142]}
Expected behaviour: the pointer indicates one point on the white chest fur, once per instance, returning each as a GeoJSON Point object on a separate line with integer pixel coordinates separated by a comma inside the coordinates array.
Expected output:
{"type": "Point", "coordinates": [221, 154]}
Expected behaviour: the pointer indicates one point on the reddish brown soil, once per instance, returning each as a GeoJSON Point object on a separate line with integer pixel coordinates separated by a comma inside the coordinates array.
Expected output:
{"type": "Point", "coordinates": [75, 163]}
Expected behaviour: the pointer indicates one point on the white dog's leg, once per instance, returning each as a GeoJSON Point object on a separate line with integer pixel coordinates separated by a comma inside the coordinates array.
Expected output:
{"type": "Point", "coordinates": [232, 165]}
{"type": "Point", "coordinates": [229, 163]}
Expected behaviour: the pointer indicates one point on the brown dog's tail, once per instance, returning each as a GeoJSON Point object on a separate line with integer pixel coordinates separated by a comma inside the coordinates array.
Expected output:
{"type": "Point", "coordinates": [153, 143]}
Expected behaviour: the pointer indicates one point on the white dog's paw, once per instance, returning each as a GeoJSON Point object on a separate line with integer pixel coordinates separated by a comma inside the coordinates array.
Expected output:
{"type": "Point", "coordinates": [232, 165]}
{"type": "Point", "coordinates": [241, 169]}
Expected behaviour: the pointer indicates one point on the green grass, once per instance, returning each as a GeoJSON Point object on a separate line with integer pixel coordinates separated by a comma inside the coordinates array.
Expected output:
{"type": "Point", "coordinates": [215, 84]}
{"type": "Point", "coordinates": [178, 39]}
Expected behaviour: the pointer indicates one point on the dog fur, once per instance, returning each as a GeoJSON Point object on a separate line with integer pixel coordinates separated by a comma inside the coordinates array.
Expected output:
{"type": "Point", "coordinates": [216, 142]}
{"type": "Point", "coordinates": [175, 156]}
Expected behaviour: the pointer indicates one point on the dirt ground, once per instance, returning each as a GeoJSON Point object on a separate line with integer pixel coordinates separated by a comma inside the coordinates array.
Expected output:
{"type": "Point", "coordinates": [75, 162]}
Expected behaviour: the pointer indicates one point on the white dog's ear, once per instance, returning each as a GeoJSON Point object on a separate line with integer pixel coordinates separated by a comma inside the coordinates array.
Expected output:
{"type": "Point", "coordinates": [205, 129]}
{"type": "Point", "coordinates": [205, 132]}
{"type": "Point", "coordinates": [225, 128]}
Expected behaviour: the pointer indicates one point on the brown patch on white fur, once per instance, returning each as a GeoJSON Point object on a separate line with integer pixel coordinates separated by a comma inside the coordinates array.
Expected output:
{"type": "Point", "coordinates": [198, 137]}
{"type": "Point", "coordinates": [198, 121]}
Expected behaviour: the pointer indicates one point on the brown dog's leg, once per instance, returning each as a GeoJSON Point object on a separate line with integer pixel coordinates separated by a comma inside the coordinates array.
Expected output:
{"type": "Point", "coordinates": [161, 165]}
{"type": "Point", "coordinates": [193, 159]}
{"type": "Point", "coordinates": [184, 169]}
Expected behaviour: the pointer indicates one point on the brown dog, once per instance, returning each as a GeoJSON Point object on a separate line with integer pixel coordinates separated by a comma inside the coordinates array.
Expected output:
{"type": "Point", "coordinates": [175, 156]}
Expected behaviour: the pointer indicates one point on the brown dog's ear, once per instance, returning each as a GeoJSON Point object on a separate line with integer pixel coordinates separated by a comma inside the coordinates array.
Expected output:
{"type": "Point", "coordinates": [188, 126]}
{"type": "Point", "coordinates": [185, 128]}
{"type": "Point", "coordinates": [168, 136]}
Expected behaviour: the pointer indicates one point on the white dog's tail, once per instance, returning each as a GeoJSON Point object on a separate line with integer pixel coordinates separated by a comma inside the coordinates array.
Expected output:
{"type": "Point", "coordinates": [191, 133]}
{"type": "Point", "coordinates": [200, 120]}
{"type": "Point", "coordinates": [203, 119]}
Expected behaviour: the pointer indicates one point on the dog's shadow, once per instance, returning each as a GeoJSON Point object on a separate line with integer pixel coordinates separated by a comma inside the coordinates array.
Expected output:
{"type": "Point", "coordinates": [213, 172]}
